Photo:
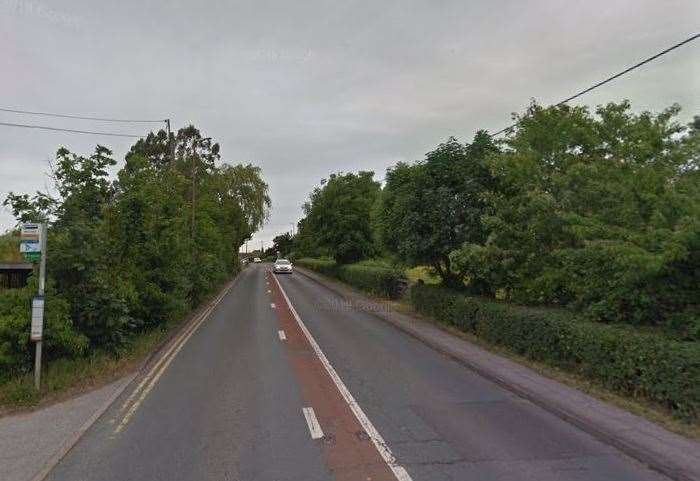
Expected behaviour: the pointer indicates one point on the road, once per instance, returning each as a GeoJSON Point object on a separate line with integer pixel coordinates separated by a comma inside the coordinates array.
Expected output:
{"type": "Point", "coordinates": [283, 381]}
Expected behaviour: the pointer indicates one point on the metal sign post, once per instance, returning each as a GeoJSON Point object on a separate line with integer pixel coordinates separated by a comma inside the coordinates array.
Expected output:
{"type": "Point", "coordinates": [33, 248]}
{"type": "Point", "coordinates": [40, 307]}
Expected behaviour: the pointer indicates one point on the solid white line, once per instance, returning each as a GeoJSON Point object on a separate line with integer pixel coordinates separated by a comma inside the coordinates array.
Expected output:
{"type": "Point", "coordinates": [282, 335]}
{"type": "Point", "coordinates": [272, 305]}
{"type": "Point", "coordinates": [269, 291]}
{"type": "Point", "coordinates": [384, 451]}
{"type": "Point", "coordinates": [312, 422]}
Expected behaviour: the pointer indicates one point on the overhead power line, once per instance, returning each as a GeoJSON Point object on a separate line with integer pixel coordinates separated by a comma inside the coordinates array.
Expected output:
{"type": "Point", "coordinates": [80, 117]}
{"type": "Point", "coordinates": [610, 79]}
{"type": "Point", "coordinates": [43, 127]}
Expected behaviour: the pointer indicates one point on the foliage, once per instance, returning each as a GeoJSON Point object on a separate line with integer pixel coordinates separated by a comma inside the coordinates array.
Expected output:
{"type": "Point", "coordinates": [140, 251]}
{"type": "Point", "coordinates": [283, 243]}
{"type": "Point", "coordinates": [430, 208]}
{"type": "Point", "coordinates": [337, 218]}
{"type": "Point", "coordinates": [324, 266]}
{"type": "Point", "coordinates": [369, 276]}
{"type": "Point", "coordinates": [9, 247]}
{"type": "Point", "coordinates": [647, 366]}
{"type": "Point", "coordinates": [599, 212]}
{"type": "Point", "coordinates": [60, 336]}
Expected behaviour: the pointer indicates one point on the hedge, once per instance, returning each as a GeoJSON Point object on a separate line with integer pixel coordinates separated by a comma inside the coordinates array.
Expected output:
{"type": "Point", "coordinates": [641, 365]}
{"type": "Point", "coordinates": [379, 280]}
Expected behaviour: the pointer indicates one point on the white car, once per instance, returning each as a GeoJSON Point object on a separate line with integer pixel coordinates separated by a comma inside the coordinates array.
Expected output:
{"type": "Point", "coordinates": [256, 260]}
{"type": "Point", "coordinates": [282, 266]}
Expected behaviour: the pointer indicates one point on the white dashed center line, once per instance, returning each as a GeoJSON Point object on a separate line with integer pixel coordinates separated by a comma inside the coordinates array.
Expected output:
{"type": "Point", "coordinates": [282, 335]}
{"type": "Point", "coordinates": [312, 422]}
{"type": "Point", "coordinates": [272, 305]}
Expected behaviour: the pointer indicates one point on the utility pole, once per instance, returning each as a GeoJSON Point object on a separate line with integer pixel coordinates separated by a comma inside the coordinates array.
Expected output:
{"type": "Point", "coordinates": [171, 143]}
{"type": "Point", "coordinates": [194, 184]}
{"type": "Point", "coordinates": [292, 224]}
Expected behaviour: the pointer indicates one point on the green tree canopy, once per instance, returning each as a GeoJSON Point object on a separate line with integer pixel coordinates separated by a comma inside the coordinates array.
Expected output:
{"type": "Point", "coordinates": [337, 217]}
{"type": "Point", "coordinates": [139, 251]}
{"type": "Point", "coordinates": [283, 243]}
{"type": "Point", "coordinates": [430, 208]}
{"type": "Point", "coordinates": [600, 211]}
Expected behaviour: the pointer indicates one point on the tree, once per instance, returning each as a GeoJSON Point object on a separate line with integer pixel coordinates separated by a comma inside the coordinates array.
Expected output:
{"type": "Point", "coordinates": [97, 298]}
{"type": "Point", "coordinates": [430, 208]}
{"type": "Point", "coordinates": [213, 208]}
{"type": "Point", "coordinates": [337, 217]}
{"type": "Point", "coordinates": [597, 211]}
{"type": "Point", "coordinates": [283, 243]}
{"type": "Point", "coordinates": [138, 252]}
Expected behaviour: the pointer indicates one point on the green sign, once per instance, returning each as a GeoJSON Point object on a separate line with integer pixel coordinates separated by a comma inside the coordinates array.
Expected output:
{"type": "Point", "coordinates": [32, 256]}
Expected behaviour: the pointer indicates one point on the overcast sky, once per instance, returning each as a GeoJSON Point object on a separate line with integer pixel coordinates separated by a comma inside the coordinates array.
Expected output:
{"type": "Point", "coordinates": [303, 89]}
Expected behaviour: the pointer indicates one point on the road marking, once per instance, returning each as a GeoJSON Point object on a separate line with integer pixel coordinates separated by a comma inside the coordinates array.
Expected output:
{"type": "Point", "coordinates": [384, 451]}
{"type": "Point", "coordinates": [269, 291]}
{"type": "Point", "coordinates": [162, 359]}
{"type": "Point", "coordinates": [272, 305]}
{"type": "Point", "coordinates": [312, 422]}
{"type": "Point", "coordinates": [167, 353]}
{"type": "Point", "coordinates": [163, 363]}
{"type": "Point", "coordinates": [282, 335]}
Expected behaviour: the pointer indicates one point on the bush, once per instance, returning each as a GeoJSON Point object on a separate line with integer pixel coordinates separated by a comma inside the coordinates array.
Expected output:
{"type": "Point", "coordinates": [324, 266]}
{"type": "Point", "coordinates": [369, 276]}
{"type": "Point", "coordinates": [641, 365]}
{"type": "Point", "coordinates": [60, 336]}
{"type": "Point", "coordinates": [597, 211]}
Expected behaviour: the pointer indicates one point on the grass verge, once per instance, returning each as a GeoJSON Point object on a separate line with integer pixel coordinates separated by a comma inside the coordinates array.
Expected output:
{"type": "Point", "coordinates": [62, 379]}
{"type": "Point", "coordinates": [65, 378]}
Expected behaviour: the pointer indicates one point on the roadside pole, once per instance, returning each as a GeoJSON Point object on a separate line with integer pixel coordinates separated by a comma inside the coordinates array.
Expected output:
{"type": "Point", "coordinates": [40, 308]}
{"type": "Point", "coordinates": [33, 248]}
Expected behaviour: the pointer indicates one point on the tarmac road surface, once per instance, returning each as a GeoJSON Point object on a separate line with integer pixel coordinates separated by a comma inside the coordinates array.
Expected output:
{"type": "Point", "coordinates": [283, 381]}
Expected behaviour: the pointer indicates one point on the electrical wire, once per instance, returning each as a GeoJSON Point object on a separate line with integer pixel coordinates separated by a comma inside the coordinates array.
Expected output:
{"type": "Point", "coordinates": [42, 127]}
{"type": "Point", "coordinates": [610, 79]}
{"type": "Point", "coordinates": [66, 116]}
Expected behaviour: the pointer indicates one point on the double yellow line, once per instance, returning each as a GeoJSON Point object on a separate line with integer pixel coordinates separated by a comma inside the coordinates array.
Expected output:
{"type": "Point", "coordinates": [135, 399]}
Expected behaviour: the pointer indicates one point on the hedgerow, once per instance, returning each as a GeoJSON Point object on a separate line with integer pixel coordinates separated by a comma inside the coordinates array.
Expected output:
{"type": "Point", "coordinates": [637, 364]}
{"type": "Point", "coordinates": [377, 279]}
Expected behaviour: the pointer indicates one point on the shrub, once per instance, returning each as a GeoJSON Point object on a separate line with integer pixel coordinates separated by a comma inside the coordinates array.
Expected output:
{"type": "Point", "coordinates": [324, 266]}
{"type": "Point", "coordinates": [642, 365]}
{"type": "Point", "coordinates": [60, 336]}
{"type": "Point", "coordinates": [369, 276]}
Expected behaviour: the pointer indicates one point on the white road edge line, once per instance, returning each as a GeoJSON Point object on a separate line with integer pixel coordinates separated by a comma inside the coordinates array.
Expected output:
{"type": "Point", "coordinates": [272, 305]}
{"type": "Point", "coordinates": [312, 422]}
{"type": "Point", "coordinates": [384, 451]}
{"type": "Point", "coordinates": [282, 335]}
